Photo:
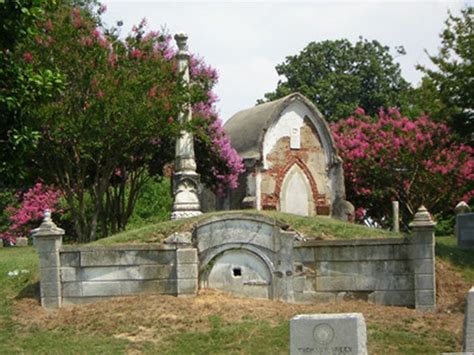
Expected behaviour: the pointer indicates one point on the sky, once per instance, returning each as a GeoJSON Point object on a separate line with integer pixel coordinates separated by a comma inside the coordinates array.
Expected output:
{"type": "Point", "coordinates": [245, 40]}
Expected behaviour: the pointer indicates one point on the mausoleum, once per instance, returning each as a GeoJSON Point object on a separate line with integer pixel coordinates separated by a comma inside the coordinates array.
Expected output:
{"type": "Point", "coordinates": [290, 159]}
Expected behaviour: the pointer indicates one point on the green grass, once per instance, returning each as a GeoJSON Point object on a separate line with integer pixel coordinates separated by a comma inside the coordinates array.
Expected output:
{"type": "Point", "coordinates": [461, 259]}
{"type": "Point", "coordinates": [248, 336]}
{"type": "Point", "coordinates": [319, 227]}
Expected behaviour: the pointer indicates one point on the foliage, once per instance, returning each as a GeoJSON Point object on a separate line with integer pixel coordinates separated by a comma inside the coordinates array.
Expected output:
{"type": "Point", "coordinates": [453, 76]}
{"type": "Point", "coordinates": [30, 211]}
{"type": "Point", "coordinates": [21, 87]}
{"type": "Point", "coordinates": [339, 76]}
{"type": "Point", "coordinates": [390, 157]}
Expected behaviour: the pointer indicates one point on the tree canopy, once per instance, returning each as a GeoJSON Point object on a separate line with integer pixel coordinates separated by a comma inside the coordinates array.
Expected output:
{"type": "Point", "coordinates": [339, 76]}
{"type": "Point", "coordinates": [453, 76]}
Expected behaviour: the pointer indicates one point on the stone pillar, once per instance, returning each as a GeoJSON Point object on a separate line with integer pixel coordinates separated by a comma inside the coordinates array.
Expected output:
{"type": "Point", "coordinates": [422, 254]}
{"type": "Point", "coordinates": [186, 181]}
{"type": "Point", "coordinates": [187, 271]}
{"type": "Point", "coordinates": [460, 209]}
{"type": "Point", "coordinates": [468, 334]}
{"type": "Point", "coordinates": [396, 216]}
{"type": "Point", "coordinates": [48, 241]}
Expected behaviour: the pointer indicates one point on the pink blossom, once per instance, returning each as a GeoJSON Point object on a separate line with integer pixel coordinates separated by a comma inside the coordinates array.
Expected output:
{"type": "Point", "coordinates": [28, 57]}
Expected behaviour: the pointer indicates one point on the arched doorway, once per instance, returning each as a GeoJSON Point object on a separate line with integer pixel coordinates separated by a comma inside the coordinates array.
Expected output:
{"type": "Point", "coordinates": [239, 272]}
{"type": "Point", "coordinates": [295, 195]}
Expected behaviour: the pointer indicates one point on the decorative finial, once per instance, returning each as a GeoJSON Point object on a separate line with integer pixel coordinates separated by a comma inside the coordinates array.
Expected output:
{"type": "Point", "coordinates": [47, 228]}
{"type": "Point", "coordinates": [462, 207]}
{"type": "Point", "coordinates": [422, 219]}
{"type": "Point", "coordinates": [181, 39]}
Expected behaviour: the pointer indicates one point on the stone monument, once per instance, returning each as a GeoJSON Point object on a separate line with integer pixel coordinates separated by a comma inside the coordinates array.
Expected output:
{"type": "Point", "coordinates": [186, 181]}
{"type": "Point", "coordinates": [464, 228]}
{"type": "Point", "coordinates": [468, 336]}
{"type": "Point", "coordinates": [343, 333]}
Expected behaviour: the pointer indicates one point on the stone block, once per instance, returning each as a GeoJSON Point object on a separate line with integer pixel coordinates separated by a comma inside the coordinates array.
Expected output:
{"type": "Point", "coordinates": [70, 259]}
{"type": "Point", "coordinates": [187, 271]}
{"type": "Point", "coordinates": [49, 274]}
{"type": "Point", "coordinates": [104, 257]}
{"type": "Point", "coordinates": [468, 334]}
{"type": "Point", "coordinates": [150, 272]}
{"type": "Point", "coordinates": [187, 287]}
{"type": "Point", "coordinates": [187, 256]}
{"type": "Point", "coordinates": [50, 289]}
{"type": "Point", "coordinates": [421, 251]}
{"type": "Point", "coordinates": [361, 252]}
{"type": "Point", "coordinates": [465, 230]}
{"type": "Point", "coordinates": [148, 286]}
{"type": "Point", "coordinates": [48, 260]}
{"type": "Point", "coordinates": [101, 288]}
{"type": "Point", "coordinates": [48, 245]}
{"type": "Point", "coordinates": [71, 289]}
{"type": "Point", "coordinates": [393, 298]}
{"type": "Point", "coordinates": [328, 334]}
{"type": "Point", "coordinates": [51, 302]}
{"type": "Point", "coordinates": [423, 266]}
{"type": "Point", "coordinates": [424, 282]}
{"type": "Point", "coordinates": [425, 298]}
{"type": "Point", "coordinates": [372, 267]}
{"type": "Point", "coordinates": [303, 255]}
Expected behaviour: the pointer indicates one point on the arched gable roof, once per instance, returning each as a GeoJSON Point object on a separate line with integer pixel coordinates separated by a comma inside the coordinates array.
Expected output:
{"type": "Point", "coordinates": [247, 128]}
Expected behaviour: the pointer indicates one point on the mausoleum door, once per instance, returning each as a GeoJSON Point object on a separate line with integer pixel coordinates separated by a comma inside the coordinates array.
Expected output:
{"type": "Point", "coordinates": [240, 272]}
{"type": "Point", "coordinates": [295, 194]}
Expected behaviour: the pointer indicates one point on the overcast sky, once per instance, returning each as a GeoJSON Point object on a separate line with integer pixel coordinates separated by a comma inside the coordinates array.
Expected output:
{"type": "Point", "coordinates": [245, 40]}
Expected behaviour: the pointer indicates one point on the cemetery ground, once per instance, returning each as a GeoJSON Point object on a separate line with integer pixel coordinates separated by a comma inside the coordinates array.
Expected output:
{"type": "Point", "coordinates": [214, 322]}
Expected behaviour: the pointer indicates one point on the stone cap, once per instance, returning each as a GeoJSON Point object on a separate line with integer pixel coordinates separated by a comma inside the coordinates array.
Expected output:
{"type": "Point", "coordinates": [422, 219]}
{"type": "Point", "coordinates": [47, 228]}
{"type": "Point", "coordinates": [462, 207]}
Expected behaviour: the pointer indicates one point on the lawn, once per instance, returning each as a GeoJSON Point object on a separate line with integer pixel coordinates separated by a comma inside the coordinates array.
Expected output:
{"type": "Point", "coordinates": [213, 322]}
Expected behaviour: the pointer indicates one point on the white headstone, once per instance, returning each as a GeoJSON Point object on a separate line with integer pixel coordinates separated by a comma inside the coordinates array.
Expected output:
{"type": "Point", "coordinates": [343, 333]}
{"type": "Point", "coordinates": [468, 338]}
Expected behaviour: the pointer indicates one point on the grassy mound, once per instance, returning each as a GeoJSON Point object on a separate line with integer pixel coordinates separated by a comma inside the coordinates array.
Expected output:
{"type": "Point", "coordinates": [318, 227]}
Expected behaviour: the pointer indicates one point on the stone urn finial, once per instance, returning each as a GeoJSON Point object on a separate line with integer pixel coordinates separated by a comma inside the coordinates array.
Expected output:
{"type": "Point", "coordinates": [47, 227]}
{"type": "Point", "coordinates": [462, 207]}
{"type": "Point", "coordinates": [422, 219]}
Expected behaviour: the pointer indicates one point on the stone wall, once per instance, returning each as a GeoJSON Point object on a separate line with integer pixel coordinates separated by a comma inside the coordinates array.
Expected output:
{"type": "Point", "coordinates": [249, 255]}
{"type": "Point", "coordinates": [379, 271]}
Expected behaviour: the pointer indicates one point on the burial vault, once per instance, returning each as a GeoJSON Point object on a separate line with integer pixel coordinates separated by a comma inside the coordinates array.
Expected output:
{"type": "Point", "coordinates": [290, 159]}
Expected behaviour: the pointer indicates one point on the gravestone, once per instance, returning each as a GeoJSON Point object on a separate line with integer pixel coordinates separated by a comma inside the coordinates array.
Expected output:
{"type": "Point", "coordinates": [465, 230]}
{"type": "Point", "coordinates": [21, 242]}
{"type": "Point", "coordinates": [468, 338]}
{"type": "Point", "coordinates": [343, 333]}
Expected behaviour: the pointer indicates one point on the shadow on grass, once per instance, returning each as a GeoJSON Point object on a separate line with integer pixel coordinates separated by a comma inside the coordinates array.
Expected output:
{"type": "Point", "coordinates": [30, 291]}
{"type": "Point", "coordinates": [447, 249]}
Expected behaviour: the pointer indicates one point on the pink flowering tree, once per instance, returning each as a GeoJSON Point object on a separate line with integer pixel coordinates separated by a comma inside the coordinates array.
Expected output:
{"type": "Point", "coordinates": [112, 125]}
{"type": "Point", "coordinates": [391, 157]}
{"type": "Point", "coordinates": [30, 211]}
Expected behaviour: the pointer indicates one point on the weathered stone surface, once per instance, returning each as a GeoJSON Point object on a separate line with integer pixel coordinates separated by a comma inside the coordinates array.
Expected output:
{"type": "Point", "coordinates": [117, 273]}
{"type": "Point", "coordinates": [21, 242]}
{"type": "Point", "coordinates": [465, 230]}
{"type": "Point", "coordinates": [125, 257]}
{"type": "Point", "coordinates": [468, 335]}
{"type": "Point", "coordinates": [328, 334]}
{"type": "Point", "coordinates": [187, 256]}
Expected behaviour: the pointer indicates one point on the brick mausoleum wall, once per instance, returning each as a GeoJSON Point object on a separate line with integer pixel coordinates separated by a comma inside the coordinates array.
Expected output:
{"type": "Point", "coordinates": [90, 273]}
{"type": "Point", "coordinates": [381, 271]}
{"type": "Point", "coordinates": [310, 158]}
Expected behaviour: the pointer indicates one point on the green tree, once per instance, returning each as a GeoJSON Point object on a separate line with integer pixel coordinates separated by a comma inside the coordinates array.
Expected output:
{"type": "Point", "coordinates": [100, 132]}
{"type": "Point", "coordinates": [453, 76]}
{"type": "Point", "coordinates": [339, 76]}
{"type": "Point", "coordinates": [21, 86]}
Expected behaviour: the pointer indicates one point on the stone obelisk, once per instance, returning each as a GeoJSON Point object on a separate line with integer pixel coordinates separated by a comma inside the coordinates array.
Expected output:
{"type": "Point", "coordinates": [185, 179]}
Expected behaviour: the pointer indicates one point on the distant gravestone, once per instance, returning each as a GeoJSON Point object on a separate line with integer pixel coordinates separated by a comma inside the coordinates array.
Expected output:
{"type": "Point", "coordinates": [468, 338]}
{"type": "Point", "coordinates": [343, 333]}
{"type": "Point", "coordinates": [465, 230]}
{"type": "Point", "coordinates": [21, 242]}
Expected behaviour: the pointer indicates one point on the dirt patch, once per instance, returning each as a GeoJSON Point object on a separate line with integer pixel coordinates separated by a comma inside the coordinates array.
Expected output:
{"type": "Point", "coordinates": [154, 318]}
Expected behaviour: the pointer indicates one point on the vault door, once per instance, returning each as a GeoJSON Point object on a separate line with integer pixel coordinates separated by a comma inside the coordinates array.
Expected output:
{"type": "Point", "coordinates": [240, 272]}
